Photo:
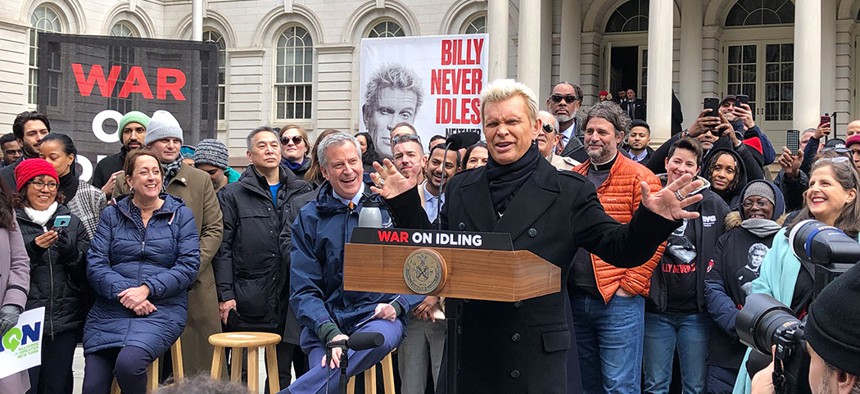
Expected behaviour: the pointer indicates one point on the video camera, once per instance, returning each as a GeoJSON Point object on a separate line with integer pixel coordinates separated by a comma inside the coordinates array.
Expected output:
{"type": "Point", "coordinates": [765, 322]}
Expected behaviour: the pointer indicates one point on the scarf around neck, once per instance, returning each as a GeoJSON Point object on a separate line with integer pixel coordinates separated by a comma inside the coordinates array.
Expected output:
{"type": "Point", "coordinates": [506, 179]}
{"type": "Point", "coordinates": [41, 217]}
{"type": "Point", "coordinates": [170, 171]}
{"type": "Point", "coordinates": [761, 227]}
{"type": "Point", "coordinates": [69, 185]}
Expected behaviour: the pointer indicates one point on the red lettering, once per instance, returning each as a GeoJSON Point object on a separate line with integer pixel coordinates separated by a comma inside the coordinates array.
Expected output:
{"type": "Point", "coordinates": [174, 85]}
{"type": "Point", "coordinates": [135, 82]}
{"type": "Point", "coordinates": [404, 237]}
{"type": "Point", "coordinates": [96, 76]}
{"type": "Point", "coordinates": [456, 81]}
{"type": "Point", "coordinates": [478, 44]}
{"type": "Point", "coordinates": [384, 236]}
{"type": "Point", "coordinates": [457, 111]}
{"type": "Point", "coordinates": [447, 55]}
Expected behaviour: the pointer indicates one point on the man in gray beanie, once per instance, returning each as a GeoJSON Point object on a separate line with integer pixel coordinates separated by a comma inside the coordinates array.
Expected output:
{"type": "Point", "coordinates": [211, 157]}
{"type": "Point", "coordinates": [164, 138]}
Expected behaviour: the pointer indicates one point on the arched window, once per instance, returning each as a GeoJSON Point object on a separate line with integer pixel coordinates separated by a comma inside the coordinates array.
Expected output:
{"type": "Point", "coordinates": [630, 16]}
{"type": "Point", "coordinates": [294, 74]}
{"type": "Point", "coordinates": [476, 25]}
{"type": "Point", "coordinates": [123, 29]}
{"type": "Point", "coordinates": [218, 39]}
{"type": "Point", "coordinates": [760, 12]}
{"type": "Point", "coordinates": [44, 19]}
{"type": "Point", "coordinates": [386, 29]}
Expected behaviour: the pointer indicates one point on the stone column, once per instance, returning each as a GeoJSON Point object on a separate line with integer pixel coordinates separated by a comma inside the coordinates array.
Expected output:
{"type": "Point", "coordinates": [691, 61]}
{"type": "Point", "coordinates": [828, 59]}
{"type": "Point", "coordinates": [570, 56]}
{"type": "Point", "coordinates": [659, 110]}
{"type": "Point", "coordinates": [497, 29]}
{"type": "Point", "coordinates": [529, 56]}
{"type": "Point", "coordinates": [807, 63]}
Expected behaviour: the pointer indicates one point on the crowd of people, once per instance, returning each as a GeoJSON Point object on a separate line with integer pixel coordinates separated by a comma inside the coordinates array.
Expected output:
{"type": "Point", "coordinates": [658, 248]}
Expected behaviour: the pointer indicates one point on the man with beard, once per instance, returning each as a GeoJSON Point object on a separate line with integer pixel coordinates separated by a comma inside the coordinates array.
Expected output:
{"type": "Point", "coordinates": [424, 338]}
{"type": "Point", "coordinates": [547, 140]}
{"type": "Point", "coordinates": [164, 137]}
{"type": "Point", "coordinates": [608, 303]}
{"type": "Point", "coordinates": [409, 156]}
{"type": "Point", "coordinates": [563, 103]}
{"type": "Point", "coordinates": [29, 128]}
{"type": "Point", "coordinates": [11, 149]}
{"type": "Point", "coordinates": [132, 130]}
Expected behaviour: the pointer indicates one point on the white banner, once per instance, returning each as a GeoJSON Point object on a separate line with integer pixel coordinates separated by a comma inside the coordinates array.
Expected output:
{"type": "Point", "coordinates": [433, 82]}
{"type": "Point", "coordinates": [21, 346]}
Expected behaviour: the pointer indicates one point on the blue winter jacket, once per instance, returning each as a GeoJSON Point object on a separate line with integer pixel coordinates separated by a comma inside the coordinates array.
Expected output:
{"type": "Point", "coordinates": [319, 234]}
{"type": "Point", "coordinates": [165, 256]}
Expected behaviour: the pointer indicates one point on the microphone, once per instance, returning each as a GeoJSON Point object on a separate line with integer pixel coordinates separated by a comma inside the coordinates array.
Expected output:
{"type": "Point", "coordinates": [359, 341]}
{"type": "Point", "coordinates": [370, 216]}
{"type": "Point", "coordinates": [462, 140]}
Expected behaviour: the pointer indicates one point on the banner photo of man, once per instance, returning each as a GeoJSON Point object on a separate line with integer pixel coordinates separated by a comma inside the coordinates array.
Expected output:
{"type": "Point", "coordinates": [431, 82]}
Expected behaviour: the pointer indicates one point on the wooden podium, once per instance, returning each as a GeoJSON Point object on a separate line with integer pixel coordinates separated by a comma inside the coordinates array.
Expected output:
{"type": "Point", "coordinates": [376, 261]}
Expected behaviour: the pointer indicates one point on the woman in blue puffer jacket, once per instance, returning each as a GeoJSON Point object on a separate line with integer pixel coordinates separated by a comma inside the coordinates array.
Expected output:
{"type": "Point", "coordinates": [143, 259]}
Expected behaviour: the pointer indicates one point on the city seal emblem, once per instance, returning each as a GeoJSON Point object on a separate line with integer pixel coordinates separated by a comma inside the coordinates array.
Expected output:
{"type": "Point", "coordinates": [425, 271]}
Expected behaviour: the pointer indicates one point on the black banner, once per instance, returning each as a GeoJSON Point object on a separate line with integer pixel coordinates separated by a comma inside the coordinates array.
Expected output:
{"type": "Point", "coordinates": [431, 238]}
{"type": "Point", "coordinates": [87, 83]}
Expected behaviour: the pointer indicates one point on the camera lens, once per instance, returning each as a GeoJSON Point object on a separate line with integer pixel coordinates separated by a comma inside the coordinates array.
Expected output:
{"type": "Point", "coordinates": [760, 318]}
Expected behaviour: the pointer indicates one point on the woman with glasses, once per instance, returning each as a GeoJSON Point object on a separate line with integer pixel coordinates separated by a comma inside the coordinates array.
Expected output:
{"type": "Point", "coordinates": [84, 200]}
{"type": "Point", "coordinates": [57, 243]}
{"type": "Point", "coordinates": [750, 230]}
{"type": "Point", "coordinates": [831, 199]}
{"type": "Point", "coordinates": [294, 149]}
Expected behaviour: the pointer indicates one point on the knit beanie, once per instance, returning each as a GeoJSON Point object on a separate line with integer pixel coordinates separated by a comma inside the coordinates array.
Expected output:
{"type": "Point", "coordinates": [759, 188]}
{"type": "Point", "coordinates": [31, 168]}
{"type": "Point", "coordinates": [831, 326]}
{"type": "Point", "coordinates": [212, 152]}
{"type": "Point", "coordinates": [133, 117]}
{"type": "Point", "coordinates": [162, 125]}
{"type": "Point", "coordinates": [854, 139]}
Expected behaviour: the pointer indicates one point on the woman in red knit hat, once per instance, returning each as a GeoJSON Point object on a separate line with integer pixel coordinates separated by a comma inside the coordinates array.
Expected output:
{"type": "Point", "coordinates": [57, 271]}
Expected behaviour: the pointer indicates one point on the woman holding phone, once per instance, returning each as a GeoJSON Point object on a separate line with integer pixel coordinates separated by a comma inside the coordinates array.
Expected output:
{"type": "Point", "coordinates": [56, 243]}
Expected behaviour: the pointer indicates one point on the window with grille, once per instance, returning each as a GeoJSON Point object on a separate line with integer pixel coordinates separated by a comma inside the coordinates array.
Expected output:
{"type": "Point", "coordinates": [294, 74]}
{"type": "Point", "coordinates": [630, 16]}
{"type": "Point", "coordinates": [44, 19]}
{"type": "Point", "coordinates": [476, 26]}
{"type": "Point", "coordinates": [218, 39]}
{"type": "Point", "coordinates": [760, 12]}
{"type": "Point", "coordinates": [386, 29]}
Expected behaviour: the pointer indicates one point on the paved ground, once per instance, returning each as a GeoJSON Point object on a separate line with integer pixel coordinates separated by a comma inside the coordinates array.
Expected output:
{"type": "Point", "coordinates": [78, 367]}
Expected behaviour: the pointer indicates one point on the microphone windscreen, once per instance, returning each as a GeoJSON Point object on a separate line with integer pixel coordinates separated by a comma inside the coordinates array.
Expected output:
{"type": "Point", "coordinates": [462, 140]}
{"type": "Point", "coordinates": [364, 340]}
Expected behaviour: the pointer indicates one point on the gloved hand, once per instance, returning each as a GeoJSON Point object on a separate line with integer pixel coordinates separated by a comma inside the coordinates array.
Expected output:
{"type": "Point", "coordinates": [65, 246]}
{"type": "Point", "coordinates": [8, 317]}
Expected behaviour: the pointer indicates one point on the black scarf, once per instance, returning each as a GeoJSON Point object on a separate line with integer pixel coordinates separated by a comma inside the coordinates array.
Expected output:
{"type": "Point", "coordinates": [505, 180]}
{"type": "Point", "coordinates": [170, 171]}
{"type": "Point", "coordinates": [69, 186]}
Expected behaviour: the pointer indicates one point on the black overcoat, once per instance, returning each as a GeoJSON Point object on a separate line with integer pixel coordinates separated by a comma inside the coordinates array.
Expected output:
{"type": "Point", "coordinates": [520, 347]}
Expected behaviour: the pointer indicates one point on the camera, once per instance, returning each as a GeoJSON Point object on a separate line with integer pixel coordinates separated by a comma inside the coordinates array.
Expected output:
{"type": "Point", "coordinates": [764, 322]}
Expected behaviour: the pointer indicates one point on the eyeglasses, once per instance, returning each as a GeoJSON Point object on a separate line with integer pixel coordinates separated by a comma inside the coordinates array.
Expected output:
{"type": "Point", "coordinates": [547, 128]}
{"type": "Point", "coordinates": [406, 138]}
{"type": "Point", "coordinates": [297, 139]}
{"type": "Point", "coordinates": [747, 204]}
{"type": "Point", "coordinates": [39, 185]}
{"type": "Point", "coordinates": [11, 152]}
{"type": "Point", "coordinates": [556, 98]}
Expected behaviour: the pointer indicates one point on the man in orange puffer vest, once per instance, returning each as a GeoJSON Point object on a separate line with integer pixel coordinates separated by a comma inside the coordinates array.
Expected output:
{"type": "Point", "coordinates": [608, 303]}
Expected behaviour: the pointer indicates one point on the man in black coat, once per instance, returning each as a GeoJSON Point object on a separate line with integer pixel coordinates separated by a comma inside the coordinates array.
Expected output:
{"type": "Point", "coordinates": [634, 107]}
{"type": "Point", "coordinates": [251, 271]}
{"type": "Point", "coordinates": [132, 132]}
{"type": "Point", "coordinates": [521, 347]}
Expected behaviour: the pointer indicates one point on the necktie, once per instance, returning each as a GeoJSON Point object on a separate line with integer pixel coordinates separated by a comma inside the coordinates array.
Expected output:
{"type": "Point", "coordinates": [630, 109]}
{"type": "Point", "coordinates": [351, 205]}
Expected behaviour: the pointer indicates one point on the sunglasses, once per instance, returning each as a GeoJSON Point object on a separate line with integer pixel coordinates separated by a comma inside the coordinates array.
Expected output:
{"type": "Point", "coordinates": [296, 140]}
{"type": "Point", "coordinates": [547, 128]}
{"type": "Point", "coordinates": [405, 138]}
{"type": "Point", "coordinates": [556, 98]}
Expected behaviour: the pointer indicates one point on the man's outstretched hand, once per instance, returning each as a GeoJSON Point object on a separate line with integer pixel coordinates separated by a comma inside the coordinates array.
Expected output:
{"type": "Point", "coordinates": [388, 182]}
{"type": "Point", "coordinates": [666, 202]}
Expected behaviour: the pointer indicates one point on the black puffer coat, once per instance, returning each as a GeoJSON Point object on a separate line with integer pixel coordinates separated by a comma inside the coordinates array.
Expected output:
{"type": "Point", "coordinates": [58, 278]}
{"type": "Point", "coordinates": [249, 266]}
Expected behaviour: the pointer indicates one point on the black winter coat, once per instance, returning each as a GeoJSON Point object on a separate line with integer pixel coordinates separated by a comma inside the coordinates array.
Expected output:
{"type": "Point", "coordinates": [521, 347]}
{"type": "Point", "coordinates": [108, 166]}
{"type": "Point", "coordinates": [58, 279]}
{"type": "Point", "coordinates": [249, 266]}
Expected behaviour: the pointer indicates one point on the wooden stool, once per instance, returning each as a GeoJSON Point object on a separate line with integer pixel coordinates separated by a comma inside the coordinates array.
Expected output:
{"type": "Point", "coordinates": [252, 341]}
{"type": "Point", "coordinates": [370, 378]}
{"type": "Point", "coordinates": [153, 370]}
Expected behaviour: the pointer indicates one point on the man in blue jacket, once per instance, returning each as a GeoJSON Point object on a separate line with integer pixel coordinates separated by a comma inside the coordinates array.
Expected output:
{"type": "Point", "coordinates": [326, 312]}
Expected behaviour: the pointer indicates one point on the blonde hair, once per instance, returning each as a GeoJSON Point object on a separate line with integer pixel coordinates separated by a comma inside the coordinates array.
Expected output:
{"type": "Point", "coordinates": [503, 89]}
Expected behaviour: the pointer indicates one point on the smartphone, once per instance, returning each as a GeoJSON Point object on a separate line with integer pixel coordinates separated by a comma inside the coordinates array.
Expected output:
{"type": "Point", "coordinates": [824, 119]}
{"type": "Point", "coordinates": [62, 221]}
{"type": "Point", "coordinates": [714, 104]}
{"type": "Point", "coordinates": [792, 141]}
{"type": "Point", "coordinates": [743, 99]}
